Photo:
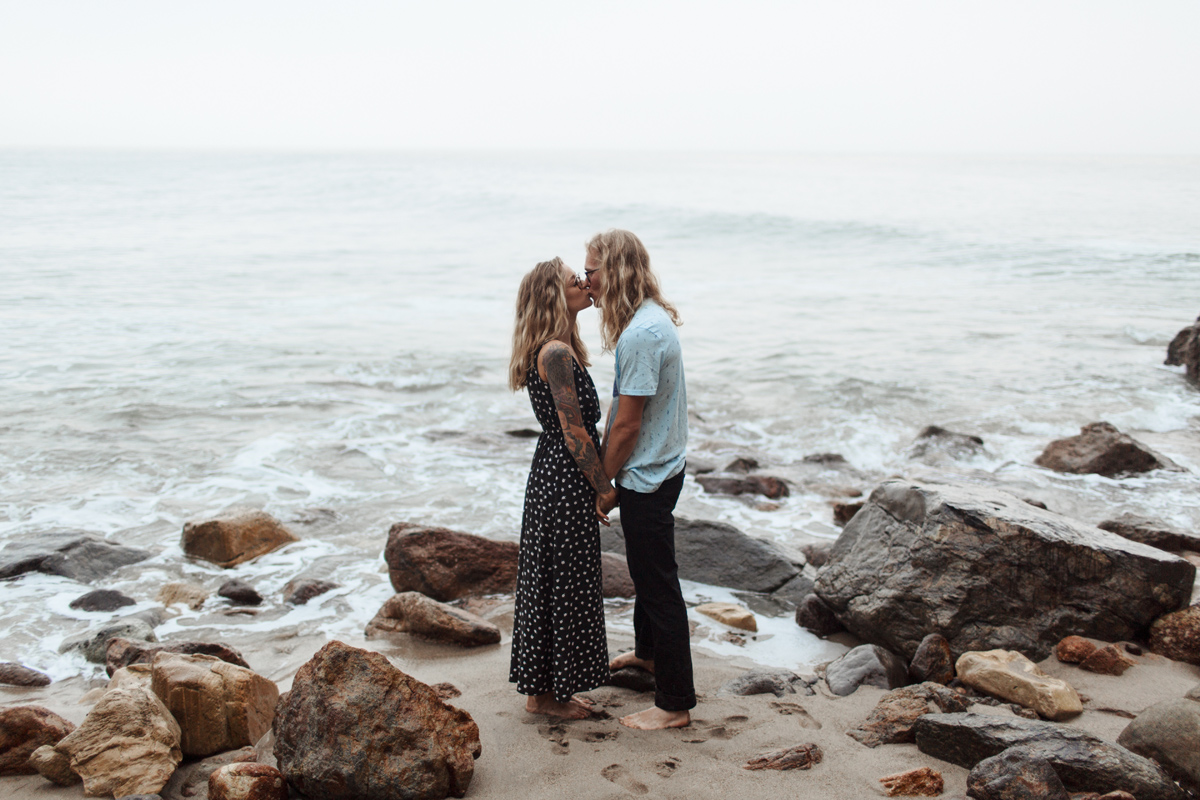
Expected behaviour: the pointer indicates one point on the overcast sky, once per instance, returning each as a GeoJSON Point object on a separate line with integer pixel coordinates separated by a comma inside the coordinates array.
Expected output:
{"type": "Point", "coordinates": [1088, 76]}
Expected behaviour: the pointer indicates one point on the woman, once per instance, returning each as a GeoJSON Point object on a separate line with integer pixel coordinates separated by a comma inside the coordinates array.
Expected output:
{"type": "Point", "coordinates": [559, 645]}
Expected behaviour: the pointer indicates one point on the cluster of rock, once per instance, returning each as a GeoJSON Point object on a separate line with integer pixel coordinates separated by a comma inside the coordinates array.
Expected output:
{"type": "Point", "coordinates": [1184, 351]}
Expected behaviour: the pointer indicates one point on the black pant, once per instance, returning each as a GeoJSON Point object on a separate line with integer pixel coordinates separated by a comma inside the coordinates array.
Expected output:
{"type": "Point", "coordinates": [660, 623]}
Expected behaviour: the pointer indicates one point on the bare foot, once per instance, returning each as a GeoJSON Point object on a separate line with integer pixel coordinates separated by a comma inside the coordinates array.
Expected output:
{"type": "Point", "coordinates": [546, 704]}
{"type": "Point", "coordinates": [630, 660]}
{"type": "Point", "coordinates": [583, 701]}
{"type": "Point", "coordinates": [656, 719]}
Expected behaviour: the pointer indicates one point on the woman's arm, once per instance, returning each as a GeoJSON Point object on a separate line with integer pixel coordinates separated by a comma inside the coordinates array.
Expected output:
{"type": "Point", "coordinates": [558, 364]}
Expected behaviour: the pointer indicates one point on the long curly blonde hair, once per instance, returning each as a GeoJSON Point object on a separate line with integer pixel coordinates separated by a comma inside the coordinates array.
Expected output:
{"type": "Point", "coordinates": [628, 282]}
{"type": "Point", "coordinates": [542, 315]}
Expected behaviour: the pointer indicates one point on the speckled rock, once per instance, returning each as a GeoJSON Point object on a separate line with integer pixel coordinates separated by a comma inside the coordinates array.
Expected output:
{"type": "Point", "coordinates": [1018, 773]}
{"type": "Point", "coordinates": [932, 661]}
{"type": "Point", "coordinates": [892, 719]}
{"type": "Point", "coordinates": [919, 782]}
{"type": "Point", "coordinates": [24, 729]}
{"type": "Point", "coordinates": [1177, 635]}
{"type": "Point", "coordinates": [245, 781]}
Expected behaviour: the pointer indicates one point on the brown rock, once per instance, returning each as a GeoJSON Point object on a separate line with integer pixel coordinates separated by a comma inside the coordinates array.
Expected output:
{"type": "Point", "coordinates": [53, 766]}
{"type": "Point", "coordinates": [1101, 449]}
{"type": "Point", "coordinates": [189, 594]}
{"type": "Point", "coordinates": [413, 612]}
{"type": "Point", "coordinates": [191, 778]}
{"type": "Point", "coordinates": [814, 615]}
{"type": "Point", "coordinates": [244, 781]}
{"type": "Point", "coordinates": [24, 729]}
{"type": "Point", "coordinates": [446, 565]}
{"type": "Point", "coordinates": [892, 720]}
{"type": "Point", "coordinates": [219, 706]}
{"type": "Point", "coordinates": [240, 593]}
{"type": "Point", "coordinates": [1184, 351]}
{"type": "Point", "coordinates": [615, 576]}
{"type": "Point", "coordinates": [932, 661]}
{"type": "Point", "coordinates": [801, 756]}
{"type": "Point", "coordinates": [446, 691]}
{"type": "Point", "coordinates": [299, 592]}
{"type": "Point", "coordinates": [730, 614]}
{"type": "Point", "coordinates": [765, 485]}
{"type": "Point", "coordinates": [742, 464]}
{"type": "Point", "coordinates": [354, 726]}
{"type": "Point", "coordinates": [1107, 660]}
{"type": "Point", "coordinates": [1010, 675]}
{"type": "Point", "coordinates": [1018, 773]}
{"type": "Point", "coordinates": [236, 536]}
{"type": "Point", "coordinates": [844, 512]}
{"type": "Point", "coordinates": [1153, 532]}
{"type": "Point", "coordinates": [1177, 635]}
{"type": "Point", "coordinates": [126, 652]}
{"type": "Point", "coordinates": [16, 675]}
{"type": "Point", "coordinates": [128, 744]}
{"type": "Point", "coordinates": [1073, 649]}
{"type": "Point", "coordinates": [920, 782]}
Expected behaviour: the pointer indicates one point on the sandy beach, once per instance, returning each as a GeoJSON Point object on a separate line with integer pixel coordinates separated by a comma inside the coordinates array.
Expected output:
{"type": "Point", "coordinates": [526, 756]}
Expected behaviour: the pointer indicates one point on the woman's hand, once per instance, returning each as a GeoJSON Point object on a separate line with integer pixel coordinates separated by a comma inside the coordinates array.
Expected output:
{"type": "Point", "coordinates": [604, 504]}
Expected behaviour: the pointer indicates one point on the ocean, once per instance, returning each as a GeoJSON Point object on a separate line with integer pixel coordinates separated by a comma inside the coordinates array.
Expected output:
{"type": "Point", "coordinates": [325, 336]}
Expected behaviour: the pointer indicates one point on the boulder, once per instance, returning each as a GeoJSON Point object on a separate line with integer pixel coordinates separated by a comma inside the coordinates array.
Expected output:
{"type": "Point", "coordinates": [135, 676]}
{"type": "Point", "coordinates": [247, 781]}
{"type": "Point", "coordinates": [1169, 733]}
{"type": "Point", "coordinates": [53, 766]}
{"type": "Point", "coordinates": [1073, 649]}
{"type": "Point", "coordinates": [299, 592]}
{"type": "Point", "coordinates": [919, 782]}
{"type": "Point", "coordinates": [78, 556]}
{"type": "Point", "coordinates": [24, 729]}
{"type": "Point", "coordinates": [413, 612]}
{"type": "Point", "coordinates": [814, 615]}
{"type": "Point", "coordinates": [1184, 351]}
{"type": "Point", "coordinates": [795, 590]}
{"type": "Point", "coordinates": [616, 581]}
{"type": "Point", "coordinates": [128, 744]}
{"type": "Point", "coordinates": [240, 593]}
{"type": "Point", "coordinates": [730, 614]}
{"type": "Point", "coordinates": [801, 756]}
{"type": "Point", "coordinates": [1082, 761]}
{"type": "Point", "coordinates": [1101, 449]}
{"type": "Point", "coordinates": [764, 681]}
{"type": "Point", "coordinates": [16, 675]}
{"type": "Point", "coordinates": [446, 565]}
{"type": "Point", "coordinates": [1013, 677]}
{"type": "Point", "coordinates": [1153, 532]}
{"type": "Point", "coordinates": [765, 485]}
{"type": "Point", "coordinates": [934, 443]}
{"type": "Point", "coordinates": [844, 512]}
{"type": "Point", "coordinates": [989, 571]}
{"type": "Point", "coordinates": [719, 555]}
{"type": "Point", "coordinates": [102, 600]}
{"type": "Point", "coordinates": [191, 595]}
{"type": "Point", "coordinates": [1107, 660]}
{"type": "Point", "coordinates": [219, 706]}
{"type": "Point", "coordinates": [932, 661]}
{"type": "Point", "coordinates": [94, 643]}
{"type": "Point", "coordinates": [125, 652]}
{"type": "Point", "coordinates": [865, 665]}
{"type": "Point", "coordinates": [892, 719]}
{"type": "Point", "coordinates": [1017, 773]}
{"type": "Point", "coordinates": [355, 727]}
{"type": "Point", "coordinates": [234, 537]}
{"type": "Point", "coordinates": [1177, 635]}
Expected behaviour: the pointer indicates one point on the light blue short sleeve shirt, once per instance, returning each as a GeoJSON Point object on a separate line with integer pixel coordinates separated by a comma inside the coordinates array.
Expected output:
{"type": "Point", "coordinates": [650, 365]}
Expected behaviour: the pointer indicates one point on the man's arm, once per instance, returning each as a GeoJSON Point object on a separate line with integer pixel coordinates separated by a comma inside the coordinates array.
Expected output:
{"type": "Point", "coordinates": [623, 431]}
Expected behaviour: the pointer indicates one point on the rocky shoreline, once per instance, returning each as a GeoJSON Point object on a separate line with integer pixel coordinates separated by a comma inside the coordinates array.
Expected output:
{"type": "Point", "coordinates": [1000, 649]}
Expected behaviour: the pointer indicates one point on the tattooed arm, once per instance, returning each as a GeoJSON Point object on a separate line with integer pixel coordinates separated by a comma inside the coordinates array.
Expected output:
{"type": "Point", "coordinates": [558, 364]}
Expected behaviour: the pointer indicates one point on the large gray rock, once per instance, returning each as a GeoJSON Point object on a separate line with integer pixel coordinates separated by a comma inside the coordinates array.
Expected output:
{"type": "Point", "coordinates": [1169, 733]}
{"type": "Point", "coordinates": [1184, 350]}
{"type": "Point", "coordinates": [1103, 450]}
{"type": "Point", "coordinates": [1153, 532]}
{"type": "Point", "coordinates": [865, 665]}
{"type": "Point", "coordinates": [989, 571]}
{"type": "Point", "coordinates": [1083, 762]}
{"type": "Point", "coordinates": [720, 555]}
{"type": "Point", "coordinates": [79, 556]}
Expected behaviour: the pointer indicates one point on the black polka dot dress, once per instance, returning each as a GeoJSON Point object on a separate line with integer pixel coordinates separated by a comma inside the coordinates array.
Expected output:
{"type": "Point", "coordinates": [559, 643]}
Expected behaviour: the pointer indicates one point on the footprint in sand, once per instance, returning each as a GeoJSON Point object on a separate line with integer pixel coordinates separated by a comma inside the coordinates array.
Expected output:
{"type": "Point", "coordinates": [666, 769]}
{"type": "Point", "coordinates": [618, 775]}
{"type": "Point", "coordinates": [557, 734]}
{"type": "Point", "coordinates": [725, 729]}
{"type": "Point", "coordinates": [795, 709]}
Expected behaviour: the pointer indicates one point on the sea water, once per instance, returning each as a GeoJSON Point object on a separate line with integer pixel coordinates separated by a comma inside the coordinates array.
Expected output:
{"type": "Point", "coordinates": [325, 336]}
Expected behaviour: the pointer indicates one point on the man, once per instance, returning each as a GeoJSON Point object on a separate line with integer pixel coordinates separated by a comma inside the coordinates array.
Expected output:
{"type": "Point", "coordinates": [644, 449]}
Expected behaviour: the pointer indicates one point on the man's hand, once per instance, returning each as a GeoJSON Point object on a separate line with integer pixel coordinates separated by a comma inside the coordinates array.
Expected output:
{"type": "Point", "coordinates": [604, 504]}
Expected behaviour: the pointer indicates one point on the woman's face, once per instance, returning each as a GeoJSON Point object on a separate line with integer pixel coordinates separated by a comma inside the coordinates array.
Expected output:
{"type": "Point", "coordinates": [576, 290]}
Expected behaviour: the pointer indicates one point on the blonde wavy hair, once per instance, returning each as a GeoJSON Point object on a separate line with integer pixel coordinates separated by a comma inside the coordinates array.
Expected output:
{"type": "Point", "coordinates": [628, 282]}
{"type": "Point", "coordinates": [542, 315]}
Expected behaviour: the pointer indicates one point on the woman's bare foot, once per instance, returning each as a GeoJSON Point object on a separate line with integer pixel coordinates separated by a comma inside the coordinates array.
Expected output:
{"type": "Point", "coordinates": [656, 719]}
{"type": "Point", "coordinates": [546, 704]}
{"type": "Point", "coordinates": [630, 660]}
{"type": "Point", "coordinates": [584, 701]}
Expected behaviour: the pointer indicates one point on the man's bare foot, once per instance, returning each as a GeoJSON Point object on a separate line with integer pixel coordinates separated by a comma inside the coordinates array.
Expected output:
{"type": "Point", "coordinates": [656, 719]}
{"type": "Point", "coordinates": [630, 660]}
{"type": "Point", "coordinates": [546, 704]}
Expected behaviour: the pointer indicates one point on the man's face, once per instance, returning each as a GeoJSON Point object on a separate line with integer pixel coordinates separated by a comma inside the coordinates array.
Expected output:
{"type": "Point", "coordinates": [594, 275]}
